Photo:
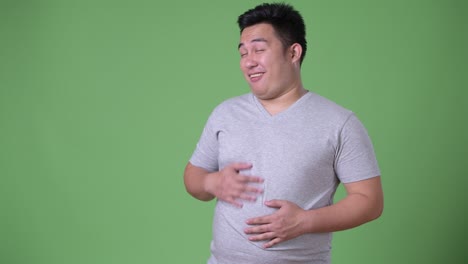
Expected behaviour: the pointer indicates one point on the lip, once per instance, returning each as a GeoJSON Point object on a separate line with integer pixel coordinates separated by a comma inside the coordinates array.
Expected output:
{"type": "Point", "coordinates": [255, 76]}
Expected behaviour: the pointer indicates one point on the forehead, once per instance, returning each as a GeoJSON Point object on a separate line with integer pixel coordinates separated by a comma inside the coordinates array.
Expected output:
{"type": "Point", "coordinates": [258, 33]}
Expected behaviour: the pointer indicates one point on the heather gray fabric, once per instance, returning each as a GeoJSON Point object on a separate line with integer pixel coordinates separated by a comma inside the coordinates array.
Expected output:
{"type": "Point", "coordinates": [302, 153]}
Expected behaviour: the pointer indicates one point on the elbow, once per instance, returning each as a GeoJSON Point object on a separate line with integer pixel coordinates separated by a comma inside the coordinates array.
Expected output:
{"type": "Point", "coordinates": [377, 210]}
{"type": "Point", "coordinates": [194, 186]}
{"type": "Point", "coordinates": [376, 204]}
{"type": "Point", "coordinates": [190, 190]}
{"type": "Point", "coordinates": [195, 193]}
{"type": "Point", "coordinates": [373, 209]}
{"type": "Point", "coordinates": [202, 196]}
{"type": "Point", "coordinates": [376, 214]}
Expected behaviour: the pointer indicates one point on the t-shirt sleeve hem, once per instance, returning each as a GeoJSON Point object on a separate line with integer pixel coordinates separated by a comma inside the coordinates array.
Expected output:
{"type": "Point", "coordinates": [360, 178]}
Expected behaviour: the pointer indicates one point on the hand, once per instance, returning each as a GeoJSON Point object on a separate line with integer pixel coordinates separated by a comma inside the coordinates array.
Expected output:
{"type": "Point", "coordinates": [282, 225]}
{"type": "Point", "coordinates": [231, 186]}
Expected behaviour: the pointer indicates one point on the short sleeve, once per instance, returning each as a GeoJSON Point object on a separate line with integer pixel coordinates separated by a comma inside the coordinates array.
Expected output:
{"type": "Point", "coordinates": [206, 152]}
{"type": "Point", "coordinates": [355, 157]}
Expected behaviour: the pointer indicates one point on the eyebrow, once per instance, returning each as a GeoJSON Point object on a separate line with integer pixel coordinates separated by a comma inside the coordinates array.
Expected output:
{"type": "Point", "coordinates": [253, 40]}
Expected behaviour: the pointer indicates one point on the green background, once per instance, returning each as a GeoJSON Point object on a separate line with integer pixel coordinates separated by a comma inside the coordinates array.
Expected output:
{"type": "Point", "coordinates": [102, 103]}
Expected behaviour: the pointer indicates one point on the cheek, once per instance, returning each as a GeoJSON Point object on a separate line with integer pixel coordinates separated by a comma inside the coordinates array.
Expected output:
{"type": "Point", "coordinates": [276, 65]}
{"type": "Point", "coordinates": [242, 65]}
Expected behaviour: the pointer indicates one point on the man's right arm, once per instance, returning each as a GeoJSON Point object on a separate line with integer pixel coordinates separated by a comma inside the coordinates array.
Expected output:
{"type": "Point", "coordinates": [228, 184]}
{"type": "Point", "coordinates": [195, 179]}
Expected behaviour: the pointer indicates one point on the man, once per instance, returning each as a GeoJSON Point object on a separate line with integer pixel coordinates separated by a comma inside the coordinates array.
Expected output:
{"type": "Point", "coordinates": [273, 158]}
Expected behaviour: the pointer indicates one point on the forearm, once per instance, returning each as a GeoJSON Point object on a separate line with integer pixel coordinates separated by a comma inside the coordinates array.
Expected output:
{"type": "Point", "coordinates": [357, 208]}
{"type": "Point", "coordinates": [352, 211]}
{"type": "Point", "coordinates": [195, 180]}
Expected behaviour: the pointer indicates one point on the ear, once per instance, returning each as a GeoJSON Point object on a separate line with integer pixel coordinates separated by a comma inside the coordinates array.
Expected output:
{"type": "Point", "coordinates": [296, 52]}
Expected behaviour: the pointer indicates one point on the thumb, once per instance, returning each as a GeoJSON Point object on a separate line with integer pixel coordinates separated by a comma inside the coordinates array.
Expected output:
{"type": "Point", "coordinates": [241, 166]}
{"type": "Point", "coordinates": [275, 203]}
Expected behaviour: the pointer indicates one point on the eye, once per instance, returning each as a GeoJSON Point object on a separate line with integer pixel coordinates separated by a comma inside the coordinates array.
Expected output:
{"type": "Point", "coordinates": [243, 55]}
{"type": "Point", "coordinates": [259, 50]}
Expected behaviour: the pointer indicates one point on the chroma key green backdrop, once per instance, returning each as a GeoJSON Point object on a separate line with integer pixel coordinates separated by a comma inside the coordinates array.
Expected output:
{"type": "Point", "coordinates": [102, 103]}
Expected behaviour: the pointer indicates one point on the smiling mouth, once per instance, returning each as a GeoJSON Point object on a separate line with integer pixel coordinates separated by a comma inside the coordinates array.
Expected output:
{"type": "Point", "coordinates": [255, 75]}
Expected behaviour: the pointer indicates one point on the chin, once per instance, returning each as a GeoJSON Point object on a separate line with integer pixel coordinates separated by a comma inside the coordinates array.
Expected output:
{"type": "Point", "coordinates": [262, 96]}
{"type": "Point", "coordinates": [259, 92]}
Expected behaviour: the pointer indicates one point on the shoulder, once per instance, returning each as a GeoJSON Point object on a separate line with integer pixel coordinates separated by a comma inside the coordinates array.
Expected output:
{"type": "Point", "coordinates": [326, 109]}
{"type": "Point", "coordinates": [233, 102]}
{"type": "Point", "coordinates": [235, 106]}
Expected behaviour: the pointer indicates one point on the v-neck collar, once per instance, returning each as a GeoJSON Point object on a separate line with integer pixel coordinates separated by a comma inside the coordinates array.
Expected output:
{"type": "Point", "coordinates": [265, 114]}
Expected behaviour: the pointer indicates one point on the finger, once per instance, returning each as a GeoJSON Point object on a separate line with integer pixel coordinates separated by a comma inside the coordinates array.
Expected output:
{"type": "Point", "coordinates": [254, 179]}
{"type": "Point", "coordinates": [275, 203]}
{"type": "Point", "coordinates": [272, 242]}
{"type": "Point", "coordinates": [262, 237]}
{"type": "Point", "coordinates": [247, 197]}
{"type": "Point", "coordinates": [259, 220]}
{"type": "Point", "coordinates": [251, 189]}
{"type": "Point", "coordinates": [241, 166]}
{"type": "Point", "coordinates": [258, 229]}
{"type": "Point", "coordinates": [234, 202]}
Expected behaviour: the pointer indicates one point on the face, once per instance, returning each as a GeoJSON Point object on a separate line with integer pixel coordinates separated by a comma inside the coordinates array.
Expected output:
{"type": "Point", "coordinates": [268, 68]}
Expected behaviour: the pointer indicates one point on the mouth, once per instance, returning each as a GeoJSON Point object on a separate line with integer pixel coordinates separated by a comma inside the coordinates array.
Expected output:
{"type": "Point", "coordinates": [256, 76]}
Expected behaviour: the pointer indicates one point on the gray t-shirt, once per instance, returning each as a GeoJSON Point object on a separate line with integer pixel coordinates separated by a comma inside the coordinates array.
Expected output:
{"type": "Point", "coordinates": [303, 153]}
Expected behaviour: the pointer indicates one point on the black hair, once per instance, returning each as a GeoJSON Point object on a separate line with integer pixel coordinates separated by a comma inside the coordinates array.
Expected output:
{"type": "Point", "coordinates": [287, 22]}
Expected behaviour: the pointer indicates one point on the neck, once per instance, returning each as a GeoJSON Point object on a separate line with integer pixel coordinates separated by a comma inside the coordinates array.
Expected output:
{"type": "Point", "coordinates": [283, 101]}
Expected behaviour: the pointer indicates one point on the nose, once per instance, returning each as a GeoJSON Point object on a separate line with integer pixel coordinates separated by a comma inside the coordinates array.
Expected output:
{"type": "Point", "coordinates": [248, 62]}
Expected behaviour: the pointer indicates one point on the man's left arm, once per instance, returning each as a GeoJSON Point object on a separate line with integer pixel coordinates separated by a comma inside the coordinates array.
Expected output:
{"type": "Point", "coordinates": [363, 203]}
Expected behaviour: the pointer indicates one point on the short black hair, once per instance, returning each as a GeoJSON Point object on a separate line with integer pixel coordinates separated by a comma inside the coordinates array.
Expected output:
{"type": "Point", "coordinates": [287, 22]}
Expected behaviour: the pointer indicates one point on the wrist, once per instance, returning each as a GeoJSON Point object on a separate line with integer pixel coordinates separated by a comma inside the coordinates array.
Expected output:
{"type": "Point", "coordinates": [209, 184]}
{"type": "Point", "coordinates": [308, 220]}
